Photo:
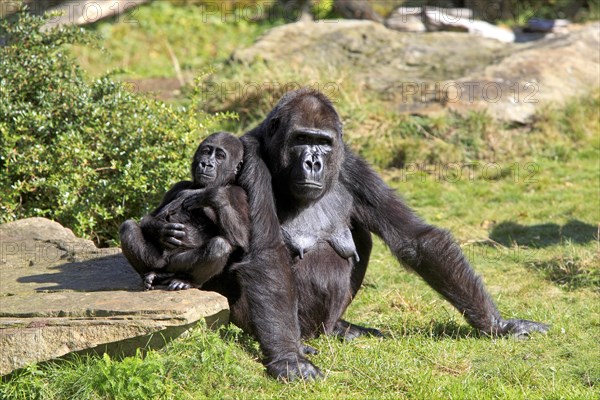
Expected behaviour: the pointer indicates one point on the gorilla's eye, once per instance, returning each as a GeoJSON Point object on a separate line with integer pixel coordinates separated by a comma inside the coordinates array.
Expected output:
{"type": "Point", "coordinates": [324, 142]}
{"type": "Point", "coordinates": [205, 151]}
{"type": "Point", "coordinates": [220, 155]}
{"type": "Point", "coordinates": [302, 139]}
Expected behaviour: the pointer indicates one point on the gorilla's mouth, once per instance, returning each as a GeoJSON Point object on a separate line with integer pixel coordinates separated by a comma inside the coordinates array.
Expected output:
{"type": "Point", "coordinates": [310, 184]}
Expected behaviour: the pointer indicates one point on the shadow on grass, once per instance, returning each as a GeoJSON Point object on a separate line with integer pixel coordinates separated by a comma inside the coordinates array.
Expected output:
{"type": "Point", "coordinates": [543, 235]}
{"type": "Point", "coordinates": [436, 330]}
{"type": "Point", "coordinates": [570, 271]}
{"type": "Point", "coordinates": [233, 335]}
{"type": "Point", "coordinates": [442, 331]}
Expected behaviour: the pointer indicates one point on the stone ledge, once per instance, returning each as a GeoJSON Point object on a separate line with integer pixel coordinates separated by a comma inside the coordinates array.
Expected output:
{"type": "Point", "coordinates": [59, 294]}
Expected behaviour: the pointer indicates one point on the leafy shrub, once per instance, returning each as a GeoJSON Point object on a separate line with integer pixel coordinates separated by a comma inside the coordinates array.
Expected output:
{"type": "Point", "coordinates": [87, 154]}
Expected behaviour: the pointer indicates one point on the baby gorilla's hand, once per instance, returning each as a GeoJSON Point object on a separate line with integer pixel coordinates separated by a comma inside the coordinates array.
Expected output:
{"type": "Point", "coordinates": [171, 235]}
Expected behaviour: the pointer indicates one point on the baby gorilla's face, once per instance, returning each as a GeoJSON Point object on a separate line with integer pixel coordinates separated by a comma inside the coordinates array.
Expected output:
{"type": "Point", "coordinates": [217, 160]}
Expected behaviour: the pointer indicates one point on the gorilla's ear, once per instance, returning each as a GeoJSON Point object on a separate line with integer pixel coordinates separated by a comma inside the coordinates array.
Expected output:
{"type": "Point", "coordinates": [238, 168]}
{"type": "Point", "coordinates": [273, 126]}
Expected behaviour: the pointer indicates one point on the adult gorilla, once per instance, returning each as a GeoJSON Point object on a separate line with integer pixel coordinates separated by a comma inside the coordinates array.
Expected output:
{"type": "Point", "coordinates": [313, 206]}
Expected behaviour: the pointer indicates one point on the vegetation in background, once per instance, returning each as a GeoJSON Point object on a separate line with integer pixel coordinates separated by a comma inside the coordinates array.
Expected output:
{"type": "Point", "coordinates": [388, 139]}
{"type": "Point", "coordinates": [147, 40]}
{"type": "Point", "coordinates": [85, 153]}
{"type": "Point", "coordinates": [520, 11]}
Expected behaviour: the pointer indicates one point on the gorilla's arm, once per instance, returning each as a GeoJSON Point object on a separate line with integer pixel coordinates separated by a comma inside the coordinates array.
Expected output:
{"type": "Point", "coordinates": [171, 195]}
{"type": "Point", "coordinates": [230, 206]}
{"type": "Point", "coordinates": [268, 304]}
{"type": "Point", "coordinates": [428, 250]}
{"type": "Point", "coordinates": [139, 242]}
{"type": "Point", "coordinates": [170, 233]}
{"type": "Point", "coordinates": [234, 219]}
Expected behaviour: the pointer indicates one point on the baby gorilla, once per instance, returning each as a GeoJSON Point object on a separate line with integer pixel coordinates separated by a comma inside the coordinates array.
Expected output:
{"type": "Point", "coordinates": [207, 218]}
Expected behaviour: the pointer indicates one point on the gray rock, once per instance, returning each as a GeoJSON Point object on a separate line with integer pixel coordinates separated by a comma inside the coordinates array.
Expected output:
{"type": "Point", "coordinates": [89, 11]}
{"type": "Point", "coordinates": [381, 58]}
{"type": "Point", "coordinates": [406, 19]}
{"type": "Point", "coordinates": [60, 294]}
{"type": "Point", "coordinates": [439, 19]}
{"type": "Point", "coordinates": [547, 25]}
{"type": "Point", "coordinates": [404, 68]}
{"type": "Point", "coordinates": [356, 9]}
{"type": "Point", "coordinates": [549, 71]}
{"type": "Point", "coordinates": [421, 72]}
{"type": "Point", "coordinates": [433, 19]}
{"type": "Point", "coordinates": [77, 12]}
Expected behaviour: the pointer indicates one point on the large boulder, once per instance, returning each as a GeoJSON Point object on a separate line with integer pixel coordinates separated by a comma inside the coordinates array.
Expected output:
{"type": "Point", "coordinates": [381, 58]}
{"type": "Point", "coordinates": [80, 12]}
{"type": "Point", "coordinates": [549, 71]}
{"type": "Point", "coordinates": [417, 72]}
{"type": "Point", "coordinates": [89, 11]}
{"type": "Point", "coordinates": [60, 294]}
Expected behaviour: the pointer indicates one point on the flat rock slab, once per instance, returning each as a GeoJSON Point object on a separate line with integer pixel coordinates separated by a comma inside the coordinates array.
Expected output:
{"type": "Point", "coordinates": [60, 294]}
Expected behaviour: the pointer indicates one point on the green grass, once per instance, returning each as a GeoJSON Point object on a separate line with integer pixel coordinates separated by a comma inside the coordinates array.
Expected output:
{"type": "Point", "coordinates": [525, 209]}
{"type": "Point", "coordinates": [140, 42]}
{"type": "Point", "coordinates": [542, 264]}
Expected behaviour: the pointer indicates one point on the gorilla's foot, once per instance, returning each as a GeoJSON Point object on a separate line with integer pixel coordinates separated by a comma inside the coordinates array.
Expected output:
{"type": "Point", "coordinates": [179, 284]}
{"type": "Point", "coordinates": [519, 328]}
{"type": "Point", "coordinates": [297, 368]}
{"type": "Point", "coordinates": [306, 350]}
{"type": "Point", "coordinates": [347, 331]}
{"type": "Point", "coordinates": [148, 280]}
{"type": "Point", "coordinates": [218, 248]}
{"type": "Point", "coordinates": [152, 280]}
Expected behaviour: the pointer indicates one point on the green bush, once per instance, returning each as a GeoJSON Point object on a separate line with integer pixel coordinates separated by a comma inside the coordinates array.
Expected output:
{"type": "Point", "coordinates": [86, 154]}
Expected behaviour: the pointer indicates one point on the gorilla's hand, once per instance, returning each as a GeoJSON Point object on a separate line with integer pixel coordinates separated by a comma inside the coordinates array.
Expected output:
{"type": "Point", "coordinates": [520, 328]}
{"type": "Point", "coordinates": [347, 331]}
{"type": "Point", "coordinates": [170, 235]}
{"type": "Point", "coordinates": [306, 350]}
{"type": "Point", "coordinates": [290, 370]}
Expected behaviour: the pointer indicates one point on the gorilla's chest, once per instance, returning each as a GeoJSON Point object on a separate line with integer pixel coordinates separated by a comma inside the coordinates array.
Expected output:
{"type": "Point", "coordinates": [325, 222]}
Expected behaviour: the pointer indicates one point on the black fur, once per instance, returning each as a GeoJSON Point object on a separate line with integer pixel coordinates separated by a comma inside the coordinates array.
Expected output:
{"type": "Point", "coordinates": [313, 205]}
{"type": "Point", "coordinates": [205, 220]}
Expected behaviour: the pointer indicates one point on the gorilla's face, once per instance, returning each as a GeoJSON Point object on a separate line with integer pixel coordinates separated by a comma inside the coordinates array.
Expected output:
{"type": "Point", "coordinates": [217, 160]}
{"type": "Point", "coordinates": [312, 168]}
{"type": "Point", "coordinates": [305, 147]}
